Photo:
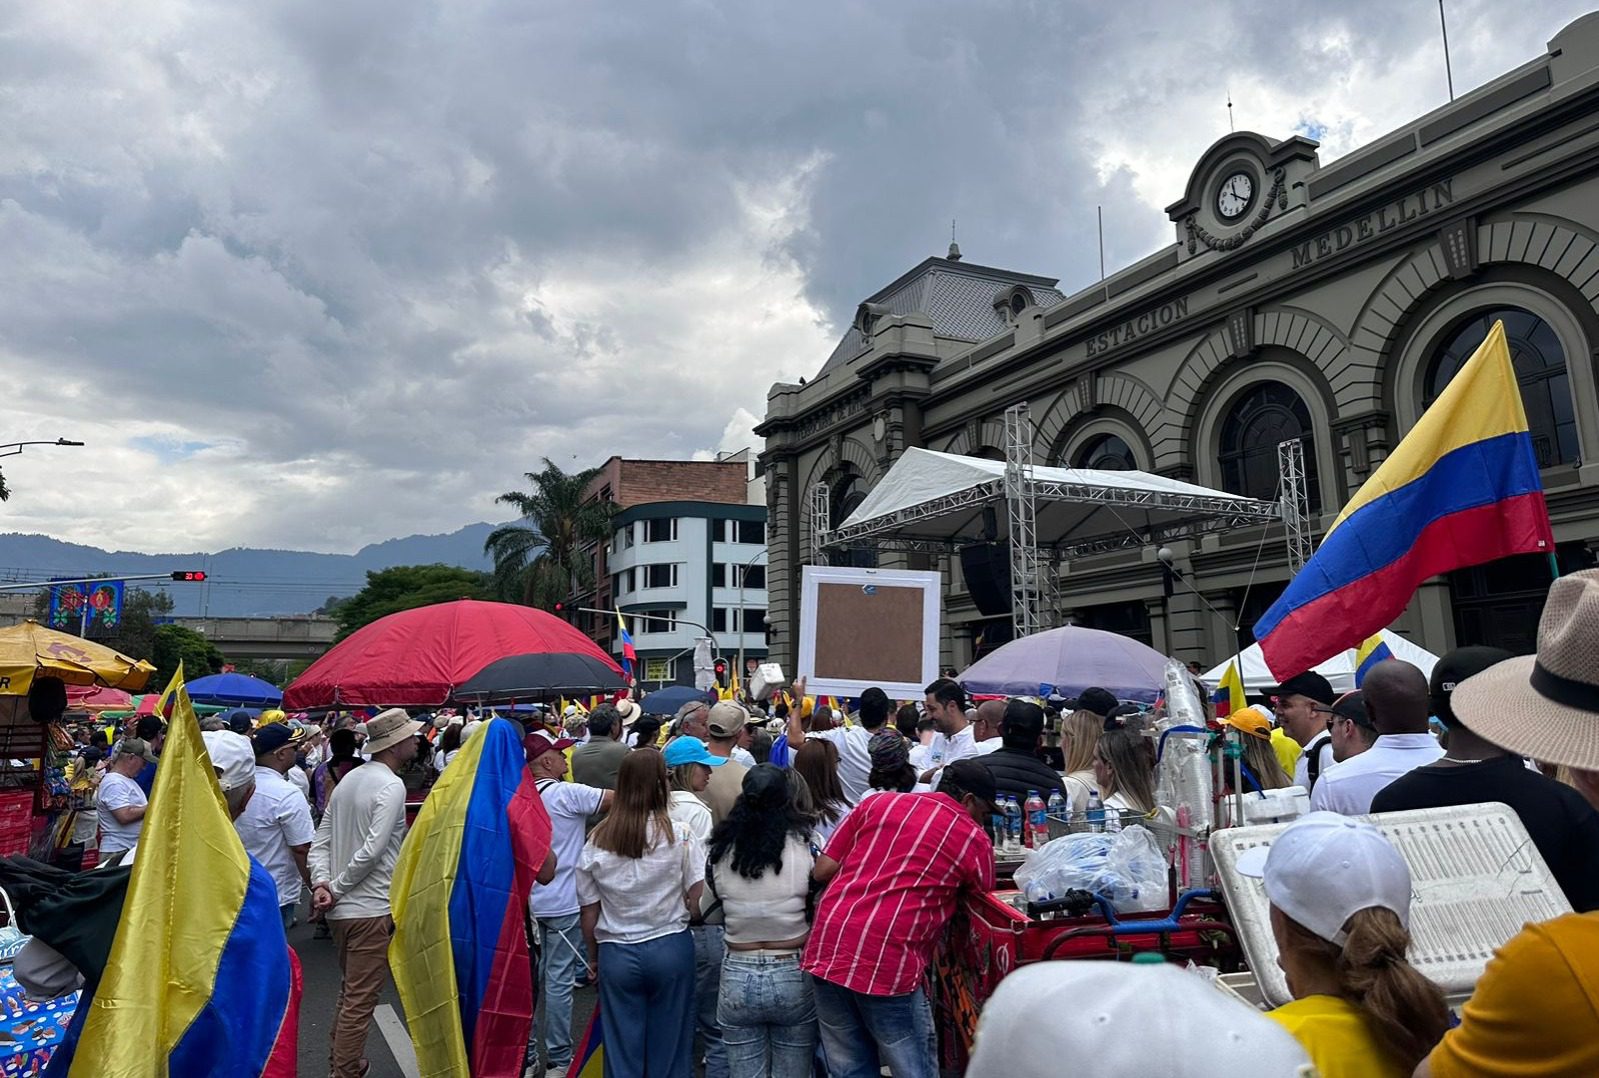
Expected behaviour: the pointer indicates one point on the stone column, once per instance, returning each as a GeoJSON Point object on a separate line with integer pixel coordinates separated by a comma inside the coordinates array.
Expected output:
{"type": "Point", "coordinates": [1155, 610]}
{"type": "Point", "coordinates": [1432, 616]}
{"type": "Point", "coordinates": [1221, 618]}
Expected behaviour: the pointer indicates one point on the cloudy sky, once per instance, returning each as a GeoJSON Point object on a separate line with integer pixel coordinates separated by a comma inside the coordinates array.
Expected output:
{"type": "Point", "coordinates": [311, 275]}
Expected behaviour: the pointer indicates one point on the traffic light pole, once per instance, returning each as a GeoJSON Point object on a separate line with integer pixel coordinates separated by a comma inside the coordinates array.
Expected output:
{"type": "Point", "coordinates": [88, 580]}
{"type": "Point", "coordinates": [716, 649]}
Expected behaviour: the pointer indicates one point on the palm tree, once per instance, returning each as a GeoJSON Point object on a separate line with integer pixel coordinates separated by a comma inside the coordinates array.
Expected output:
{"type": "Point", "coordinates": [543, 561]}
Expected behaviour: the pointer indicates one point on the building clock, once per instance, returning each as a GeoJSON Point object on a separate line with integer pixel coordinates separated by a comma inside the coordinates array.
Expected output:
{"type": "Point", "coordinates": [1235, 195]}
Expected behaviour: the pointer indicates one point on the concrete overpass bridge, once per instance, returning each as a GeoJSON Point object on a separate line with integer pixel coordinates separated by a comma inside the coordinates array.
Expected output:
{"type": "Point", "coordinates": [299, 637]}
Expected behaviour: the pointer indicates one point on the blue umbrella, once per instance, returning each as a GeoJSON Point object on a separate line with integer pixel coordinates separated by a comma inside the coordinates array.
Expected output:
{"type": "Point", "coordinates": [238, 690]}
{"type": "Point", "coordinates": [666, 701]}
{"type": "Point", "coordinates": [1067, 661]}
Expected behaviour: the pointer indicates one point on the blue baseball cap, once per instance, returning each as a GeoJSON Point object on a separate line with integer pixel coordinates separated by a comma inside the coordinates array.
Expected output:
{"type": "Point", "coordinates": [690, 750]}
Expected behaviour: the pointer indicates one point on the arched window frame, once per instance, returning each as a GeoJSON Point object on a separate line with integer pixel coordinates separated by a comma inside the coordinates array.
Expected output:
{"type": "Point", "coordinates": [1272, 365]}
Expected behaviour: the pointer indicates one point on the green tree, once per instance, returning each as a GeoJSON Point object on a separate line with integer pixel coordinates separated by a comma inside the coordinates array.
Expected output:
{"type": "Point", "coordinates": [403, 587]}
{"type": "Point", "coordinates": [543, 561]}
{"type": "Point", "coordinates": [268, 670]}
{"type": "Point", "coordinates": [175, 644]}
{"type": "Point", "coordinates": [5, 492]}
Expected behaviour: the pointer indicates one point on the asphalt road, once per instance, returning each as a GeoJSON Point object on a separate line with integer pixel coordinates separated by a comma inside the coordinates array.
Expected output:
{"type": "Point", "coordinates": [387, 1045]}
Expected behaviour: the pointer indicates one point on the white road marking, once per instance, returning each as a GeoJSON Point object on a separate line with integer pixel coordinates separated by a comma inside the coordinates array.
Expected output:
{"type": "Point", "coordinates": [398, 1040]}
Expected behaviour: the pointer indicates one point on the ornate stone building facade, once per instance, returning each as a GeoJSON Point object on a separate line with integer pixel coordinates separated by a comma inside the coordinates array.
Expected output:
{"type": "Point", "coordinates": [1329, 303]}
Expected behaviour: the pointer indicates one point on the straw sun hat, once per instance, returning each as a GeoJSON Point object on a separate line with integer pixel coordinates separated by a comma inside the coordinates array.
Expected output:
{"type": "Point", "coordinates": [1546, 705]}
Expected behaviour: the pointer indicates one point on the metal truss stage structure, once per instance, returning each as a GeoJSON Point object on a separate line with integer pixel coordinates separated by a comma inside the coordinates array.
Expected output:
{"type": "Point", "coordinates": [939, 502]}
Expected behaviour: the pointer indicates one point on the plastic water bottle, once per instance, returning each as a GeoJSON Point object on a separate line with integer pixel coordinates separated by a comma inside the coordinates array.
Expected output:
{"type": "Point", "coordinates": [1037, 822]}
{"type": "Point", "coordinates": [1095, 812]}
{"type": "Point", "coordinates": [1013, 824]}
{"type": "Point", "coordinates": [997, 828]}
{"type": "Point", "coordinates": [1057, 804]}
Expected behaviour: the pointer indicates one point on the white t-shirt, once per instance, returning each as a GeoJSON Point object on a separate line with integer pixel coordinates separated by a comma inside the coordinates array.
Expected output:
{"type": "Point", "coordinates": [854, 758]}
{"type": "Point", "coordinates": [687, 809]}
{"type": "Point", "coordinates": [358, 841]}
{"type": "Point", "coordinates": [1302, 765]}
{"type": "Point", "coordinates": [297, 778]}
{"type": "Point", "coordinates": [276, 818]}
{"type": "Point", "coordinates": [743, 756]}
{"type": "Point", "coordinates": [569, 804]}
{"type": "Point", "coordinates": [960, 746]}
{"type": "Point", "coordinates": [983, 748]}
{"type": "Point", "coordinates": [119, 791]}
{"type": "Point", "coordinates": [642, 898]}
{"type": "Point", "coordinates": [1348, 787]}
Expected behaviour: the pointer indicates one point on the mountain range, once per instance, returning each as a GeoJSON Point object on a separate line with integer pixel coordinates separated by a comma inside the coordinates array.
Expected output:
{"type": "Point", "coordinates": [243, 581]}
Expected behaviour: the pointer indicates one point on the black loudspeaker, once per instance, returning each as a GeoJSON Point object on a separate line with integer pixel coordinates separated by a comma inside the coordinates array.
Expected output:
{"type": "Point", "coordinates": [986, 567]}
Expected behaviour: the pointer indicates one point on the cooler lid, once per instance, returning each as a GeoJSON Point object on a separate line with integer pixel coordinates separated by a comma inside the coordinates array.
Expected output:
{"type": "Point", "coordinates": [1476, 879]}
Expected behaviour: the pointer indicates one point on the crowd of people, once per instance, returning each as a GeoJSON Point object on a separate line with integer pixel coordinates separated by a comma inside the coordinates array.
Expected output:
{"type": "Point", "coordinates": [759, 891]}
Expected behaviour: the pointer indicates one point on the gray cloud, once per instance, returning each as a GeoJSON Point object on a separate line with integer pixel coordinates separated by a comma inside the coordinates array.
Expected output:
{"type": "Point", "coordinates": [365, 263]}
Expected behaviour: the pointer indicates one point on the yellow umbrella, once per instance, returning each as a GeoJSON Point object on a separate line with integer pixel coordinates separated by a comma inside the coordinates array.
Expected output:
{"type": "Point", "coordinates": [30, 650]}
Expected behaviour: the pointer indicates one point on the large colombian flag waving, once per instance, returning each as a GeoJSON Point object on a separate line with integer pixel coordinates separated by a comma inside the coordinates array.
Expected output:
{"type": "Point", "coordinates": [460, 954]}
{"type": "Point", "coordinates": [1462, 488]}
{"type": "Point", "coordinates": [200, 979]}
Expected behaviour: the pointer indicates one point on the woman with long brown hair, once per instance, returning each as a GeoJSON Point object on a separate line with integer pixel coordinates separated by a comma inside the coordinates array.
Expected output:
{"type": "Point", "coordinates": [1124, 769]}
{"type": "Point", "coordinates": [816, 762]}
{"type": "Point", "coordinates": [1260, 756]}
{"type": "Point", "coordinates": [637, 878]}
{"type": "Point", "coordinates": [1079, 736]}
{"type": "Point", "coordinates": [1340, 911]}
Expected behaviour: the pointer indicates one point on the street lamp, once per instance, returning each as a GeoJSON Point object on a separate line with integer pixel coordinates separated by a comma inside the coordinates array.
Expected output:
{"type": "Point", "coordinates": [12, 449]}
{"type": "Point", "coordinates": [743, 573]}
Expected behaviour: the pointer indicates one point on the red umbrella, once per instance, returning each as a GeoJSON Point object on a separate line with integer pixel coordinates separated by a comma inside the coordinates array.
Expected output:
{"type": "Point", "coordinates": [97, 698]}
{"type": "Point", "coordinates": [417, 658]}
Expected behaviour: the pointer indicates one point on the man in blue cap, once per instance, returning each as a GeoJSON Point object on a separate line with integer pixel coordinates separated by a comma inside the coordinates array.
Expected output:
{"type": "Point", "coordinates": [275, 826]}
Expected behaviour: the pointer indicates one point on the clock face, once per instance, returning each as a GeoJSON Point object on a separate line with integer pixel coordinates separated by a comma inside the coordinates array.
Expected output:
{"type": "Point", "coordinates": [1236, 192]}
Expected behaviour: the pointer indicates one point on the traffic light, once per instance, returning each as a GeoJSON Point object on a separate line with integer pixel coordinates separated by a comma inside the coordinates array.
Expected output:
{"type": "Point", "coordinates": [720, 666]}
{"type": "Point", "coordinates": [559, 610]}
{"type": "Point", "coordinates": [190, 576]}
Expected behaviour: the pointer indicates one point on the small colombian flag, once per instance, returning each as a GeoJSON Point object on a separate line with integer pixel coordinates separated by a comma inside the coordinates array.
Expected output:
{"type": "Point", "coordinates": [1229, 694]}
{"type": "Point", "coordinates": [1372, 651]}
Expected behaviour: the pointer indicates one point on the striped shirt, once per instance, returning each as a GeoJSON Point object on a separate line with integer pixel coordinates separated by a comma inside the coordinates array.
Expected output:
{"type": "Point", "coordinates": [904, 858]}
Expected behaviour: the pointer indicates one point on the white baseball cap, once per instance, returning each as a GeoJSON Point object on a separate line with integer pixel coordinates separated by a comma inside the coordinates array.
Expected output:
{"type": "Point", "coordinates": [1325, 868]}
{"type": "Point", "coordinates": [1154, 1021]}
{"type": "Point", "coordinates": [232, 756]}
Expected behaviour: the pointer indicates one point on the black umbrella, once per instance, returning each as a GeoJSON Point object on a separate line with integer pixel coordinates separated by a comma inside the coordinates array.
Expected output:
{"type": "Point", "coordinates": [540, 674]}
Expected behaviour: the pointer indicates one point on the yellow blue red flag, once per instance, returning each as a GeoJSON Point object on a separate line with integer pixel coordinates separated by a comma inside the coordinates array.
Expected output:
{"type": "Point", "coordinates": [1372, 651]}
{"type": "Point", "coordinates": [589, 1059]}
{"type": "Point", "coordinates": [200, 979]}
{"type": "Point", "coordinates": [1462, 488]}
{"type": "Point", "coordinates": [459, 954]}
{"type": "Point", "coordinates": [1228, 696]}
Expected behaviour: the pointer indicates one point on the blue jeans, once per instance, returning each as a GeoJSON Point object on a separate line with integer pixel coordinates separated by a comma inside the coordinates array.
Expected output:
{"type": "Point", "coordinates": [561, 955]}
{"type": "Point", "coordinates": [287, 913]}
{"type": "Point", "coordinates": [861, 1034]}
{"type": "Point", "coordinates": [647, 997]}
{"type": "Point", "coordinates": [708, 950]}
{"type": "Point", "coordinates": [768, 1016]}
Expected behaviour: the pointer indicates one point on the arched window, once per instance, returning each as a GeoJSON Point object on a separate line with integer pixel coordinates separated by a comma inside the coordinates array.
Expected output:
{"type": "Point", "coordinates": [1267, 413]}
{"type": "Point", "coordinates": [1108, 453]}
{"type": "Point", "coordinates": [1540, 364]}
{"type": "Point", "coordinates": [849, 491]}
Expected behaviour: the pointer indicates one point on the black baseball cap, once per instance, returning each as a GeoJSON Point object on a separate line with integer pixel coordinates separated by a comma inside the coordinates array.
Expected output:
{"type": "Point", "coordinates": [1453, 668]}
{"type": "Point", "coordinates": [274, 736]}
{"type": "Point", "coordinates": [1351, 706]}
{"type": "Point", "coordinates": [971, 777]}
{"type": "Point", "coordinates": [1309, 684]}
{"type": "Point", "coordinates": [1100, 701]}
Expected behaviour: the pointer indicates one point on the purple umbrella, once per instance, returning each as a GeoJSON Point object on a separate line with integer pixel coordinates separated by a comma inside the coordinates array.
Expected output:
{"type": "Point", "coordinates": [1066, 661]}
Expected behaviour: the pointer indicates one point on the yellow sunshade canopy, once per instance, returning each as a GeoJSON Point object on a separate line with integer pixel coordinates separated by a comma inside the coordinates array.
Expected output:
{"type": "Point", "coordinates": [30, 650]}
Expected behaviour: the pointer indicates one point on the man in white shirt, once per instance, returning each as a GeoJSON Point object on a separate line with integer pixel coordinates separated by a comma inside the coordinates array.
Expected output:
{"type": "Point", "coordinates": [122, 801]}
{"type": "Point", "coordinates": [554, 905]}
{"type": "Point", "coordinates": [1397, 703]}
{"type": "Point", "coordinates": [946, 705]}
{"type": "Point", "coordinates": [275, 826]}
{"type": "Point", "coordinates": [854, 759]}
{"type": "Point", "coordinates": [1302, 703]}
{"type": "Point", "coordinates": [985, 730]}
{"type": "Point", "coordinates": [352, 864]}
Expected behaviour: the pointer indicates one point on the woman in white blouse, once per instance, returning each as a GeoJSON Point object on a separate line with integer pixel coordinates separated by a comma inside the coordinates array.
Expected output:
{"type": "Point", "coordinates": [637, 878]}
{"type": "Point", "coordinates": [761, 859]}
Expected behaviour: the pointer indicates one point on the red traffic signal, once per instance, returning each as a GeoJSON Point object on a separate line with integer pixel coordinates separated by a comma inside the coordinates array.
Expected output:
{"type": "Point", "coordinates": [190, 576]}
{"type": "Point", "coordinates": [720, 668]}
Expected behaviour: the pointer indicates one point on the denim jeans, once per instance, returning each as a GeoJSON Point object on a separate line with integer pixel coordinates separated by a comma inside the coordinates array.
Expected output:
{"type": "Point", "coordinates": [708, 951]}
{"type": "Point", "coordinates": [561, 955]}
{"type": "Point", "coordinates": [647, 996]}
{"type": "Point", "coordinates": [768, 1016]}
{"type": "Point", "coordinates": [861, 1034]}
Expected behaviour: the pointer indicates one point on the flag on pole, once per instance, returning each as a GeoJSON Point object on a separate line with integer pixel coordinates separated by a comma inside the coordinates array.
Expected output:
{"type": "Point", "coordinates": [1371, 652]}
{"type": "Point", "coordinates": [1228, 697]}
{"type": "Point", "coordinates": [629, 653]}
{"type": "Point", "coordinates": [200, 977]}
{"type": "Point", "coordinates": [460, 891]}
{"type": "Point", "coordinates": [1462, 488]}
{"type": "Point", "coordinates": [589, 1059]}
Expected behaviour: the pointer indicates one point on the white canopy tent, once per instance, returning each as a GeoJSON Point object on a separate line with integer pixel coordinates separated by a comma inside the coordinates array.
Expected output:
{"type": "Point", "coordinates": [1338, 670]}
{"type": "Point", "coordinates": [945, 499]}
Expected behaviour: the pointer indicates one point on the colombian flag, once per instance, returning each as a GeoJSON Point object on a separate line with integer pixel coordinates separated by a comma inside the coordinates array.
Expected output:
{"type": "Point", "coordinates": [1462, 488]}
{"type": "Point", "coordinates": [589, 1059]}
{"type": "Point", "coordinates": [1371, 652]}
{"type": "Point", "coordinates": [1229, 695]}
{"type": "Point", "coordinates": [629, 653]}
{"type": "Point", "coordinates": [200, 979]}
{"type": "Point", "coordinates": [459, 953]}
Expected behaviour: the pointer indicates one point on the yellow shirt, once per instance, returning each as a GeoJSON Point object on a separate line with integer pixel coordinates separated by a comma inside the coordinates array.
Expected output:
{"type": "Point", "coordinates": [1286, 748]}
{"type": "Point", "coordinates": [1335, 1035]}
{"type": "Point", "coordinates": [1535, 1009]}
